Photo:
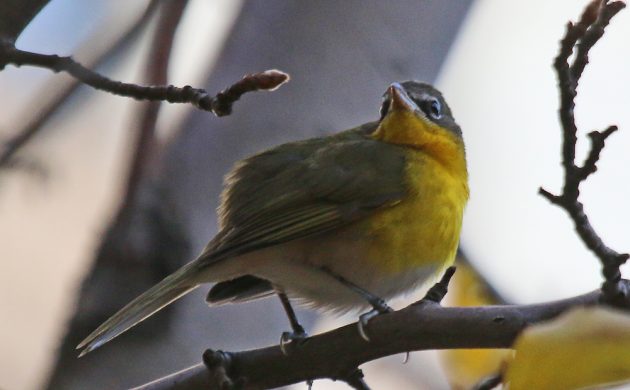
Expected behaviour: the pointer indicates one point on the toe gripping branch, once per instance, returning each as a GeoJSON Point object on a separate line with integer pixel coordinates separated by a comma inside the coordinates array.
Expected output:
{"type": "Point", "coordinates": [434, 295]}
{"type": "Point", "coordinates": [218, 365]}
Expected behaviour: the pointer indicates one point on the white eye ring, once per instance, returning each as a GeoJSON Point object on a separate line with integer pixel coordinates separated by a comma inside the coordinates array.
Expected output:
{"type": "Point", "coordinates": [435, 109]}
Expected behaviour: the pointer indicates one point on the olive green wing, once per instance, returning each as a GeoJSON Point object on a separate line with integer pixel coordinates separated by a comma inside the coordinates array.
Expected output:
{"type": "Point", "coordinates": [305, 188]}
{"type": "Point", "coordinates": [289, 192]}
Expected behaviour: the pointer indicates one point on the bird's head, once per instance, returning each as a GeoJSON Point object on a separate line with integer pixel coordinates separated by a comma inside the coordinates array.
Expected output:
{"type": "Point", "coordinates": [415, 114]}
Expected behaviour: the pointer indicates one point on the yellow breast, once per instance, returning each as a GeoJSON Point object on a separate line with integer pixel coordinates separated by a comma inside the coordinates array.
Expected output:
{"type": "Point", "coordinates": [422, 230]}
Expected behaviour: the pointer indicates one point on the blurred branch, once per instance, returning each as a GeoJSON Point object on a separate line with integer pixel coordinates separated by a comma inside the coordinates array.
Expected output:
{"type": "Point", "coordinates": [157, 69]}
{"type": "Point", "coordinates": [220, 104]}
{"type": "Point", "coordinates": [422, 326]}
{"type": "Point", "coordinates": [144, 241]}
{"type": "Point", "coordinates": [581, 37]}
{"type": "Point", "coordinates": [24, 135]}
{"type": "Point", "coordinates": [15, 15]}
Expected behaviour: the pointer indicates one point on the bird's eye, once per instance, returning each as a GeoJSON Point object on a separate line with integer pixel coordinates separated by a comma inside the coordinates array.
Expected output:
{"type": "Point", "coordinates": [384, 108]}
{"type": "Point", "coordinates": [433, 108]}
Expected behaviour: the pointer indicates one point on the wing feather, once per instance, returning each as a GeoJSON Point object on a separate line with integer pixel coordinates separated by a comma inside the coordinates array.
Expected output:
{"type": "Point", "coordinates": [306, 188]}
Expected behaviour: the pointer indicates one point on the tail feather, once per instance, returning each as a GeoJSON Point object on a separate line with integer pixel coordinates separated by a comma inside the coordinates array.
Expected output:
{"type": "Point", "coordinates": [168, 290]}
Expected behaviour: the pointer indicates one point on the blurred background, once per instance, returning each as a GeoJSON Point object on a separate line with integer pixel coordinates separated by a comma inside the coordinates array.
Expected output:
{"type": "Point", "coordinates": [108, 195]}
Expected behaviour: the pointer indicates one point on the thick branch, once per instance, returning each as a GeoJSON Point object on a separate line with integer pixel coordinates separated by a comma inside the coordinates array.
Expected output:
{"type": "Point", "coordinates": [417, 327]}
{"type": "Point", "coordinates": [584, 35]}
{"type": "Point", "coordinates": [220, 105]}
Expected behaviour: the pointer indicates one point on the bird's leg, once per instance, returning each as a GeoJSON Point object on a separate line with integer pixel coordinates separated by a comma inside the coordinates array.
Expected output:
{"type": "Point", "coordinates": [298, 332]}
{"type": "Point", "coordinates": [286, 304]}
{"type": "Point", "coordinates": [379, 306]}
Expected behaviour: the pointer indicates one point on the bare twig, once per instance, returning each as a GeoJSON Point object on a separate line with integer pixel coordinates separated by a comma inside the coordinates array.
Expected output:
{"type": "Point", "coordinates": [438, 291]}
{"type": "Point", "coordinates": [268, 80]}
{"type": "Point", "coordinates": [24, 135]}
{"type": "Point", "coordinates": [417, 327]}
{"type": "Point", "coordinates": [584, 35]}
{"type": "Point", "coordinates": [220, 105]}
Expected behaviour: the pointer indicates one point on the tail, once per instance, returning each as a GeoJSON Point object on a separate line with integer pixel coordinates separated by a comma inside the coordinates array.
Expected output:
{"type": "Point", "coordinates": [168, 290]}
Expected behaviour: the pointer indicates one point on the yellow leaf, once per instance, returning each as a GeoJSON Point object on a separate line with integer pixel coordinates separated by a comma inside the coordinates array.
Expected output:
{"type": "Point", "coordinates": [466, 367]}
{"type": "Point", "coordinates": [582, 348]}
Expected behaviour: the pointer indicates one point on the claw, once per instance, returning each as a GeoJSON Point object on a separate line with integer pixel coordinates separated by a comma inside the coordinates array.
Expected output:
{"type": "Point", "coordinates": [289, 339]}
{"type": "Point", "coordinates": [285, 339]}
{"type": "Point", "coordinates": [379, 308]}
{"type": "Point", "coordinates": [363, 322]}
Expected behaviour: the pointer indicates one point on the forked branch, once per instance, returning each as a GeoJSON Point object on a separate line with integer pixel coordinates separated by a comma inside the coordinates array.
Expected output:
{"type": "Point", "coordinates": [579, 39]}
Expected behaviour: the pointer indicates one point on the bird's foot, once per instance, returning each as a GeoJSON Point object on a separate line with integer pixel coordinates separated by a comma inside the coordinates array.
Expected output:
{"type": "Point", "coordinates": [379, 307]}
{"type": "Point", "coordinates": [291, 340]}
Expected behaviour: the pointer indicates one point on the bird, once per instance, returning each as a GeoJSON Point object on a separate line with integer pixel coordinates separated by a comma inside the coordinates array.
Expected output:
{"type": "Point", "coordinates": [339, 223]}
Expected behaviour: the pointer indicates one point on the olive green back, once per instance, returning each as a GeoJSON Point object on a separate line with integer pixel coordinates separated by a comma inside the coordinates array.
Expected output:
{"type": "Point", "coordinates": [304, 188]}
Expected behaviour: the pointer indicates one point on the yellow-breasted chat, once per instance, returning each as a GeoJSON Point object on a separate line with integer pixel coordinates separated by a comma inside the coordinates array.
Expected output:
{"type": "Point", "coordinates": [339, 223]}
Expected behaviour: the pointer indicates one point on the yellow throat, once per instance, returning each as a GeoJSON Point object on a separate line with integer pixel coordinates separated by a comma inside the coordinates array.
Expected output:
{"type": "Point", "coordinates": [422, 230]}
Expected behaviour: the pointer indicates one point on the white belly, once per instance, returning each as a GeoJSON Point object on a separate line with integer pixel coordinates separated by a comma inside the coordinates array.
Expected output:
{"type": "Point", "coordinates": [298, 268]}
{"type": "Point", "coordinates": [315, 288]}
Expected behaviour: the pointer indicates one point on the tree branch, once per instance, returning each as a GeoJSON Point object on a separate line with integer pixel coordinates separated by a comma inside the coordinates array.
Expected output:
{"type": "Point", "coordinates": [584, 35]}
{"type": "Point", "coordinates": [418, 327]}
{"type": "Point", "coordinates": [437, 293]}
{"type": "Point", "coordinates": [24, 135]}
{"type": "Point", "coordinates": [220, 105]}
{"type": "Point", "coordinates": [157, 71]}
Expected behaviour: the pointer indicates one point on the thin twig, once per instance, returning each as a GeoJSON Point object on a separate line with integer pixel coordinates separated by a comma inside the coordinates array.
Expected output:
{"type": "Point", "coordinates": [220, 105]}
{"type": "Point", "coordinates": [24, 135]}
{"type": "Point", "coordinates": [584, 35]}
{"type": "Point", "coordinates": [438, 291]}
{"type": "Point", "coordinates": [416, 327]}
